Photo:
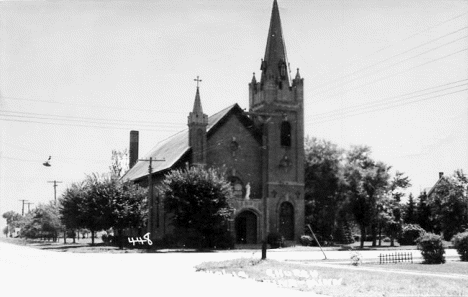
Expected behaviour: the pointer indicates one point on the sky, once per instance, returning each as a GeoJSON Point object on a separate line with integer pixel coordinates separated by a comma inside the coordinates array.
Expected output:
{"type": "Point", "coordinates": [76, 77]}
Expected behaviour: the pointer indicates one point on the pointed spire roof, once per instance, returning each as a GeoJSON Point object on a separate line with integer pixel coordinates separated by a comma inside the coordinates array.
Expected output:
{"type": "Point", "coordinates": [275, 62]}
{"type": "Point", "coordinates": [197, 116]}
{"type": "Point", "coordinates": [197, 107]}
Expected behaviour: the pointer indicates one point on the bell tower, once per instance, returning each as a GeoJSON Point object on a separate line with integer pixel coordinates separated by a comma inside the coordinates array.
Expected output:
{"type": "Point", "coordinates": [277, 105]}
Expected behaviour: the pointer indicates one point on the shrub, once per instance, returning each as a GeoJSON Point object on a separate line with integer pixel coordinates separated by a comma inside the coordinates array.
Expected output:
{"type": "Point", "coordinates": [105, 238]}
{"type": "Point", "coordinates": [432, 248]}
{"type": "Point", "coordinates": [386, 239]}
{"type": "Point", "coordinates": [223, 240]}
{"type": "Point", "coordinates": [275, 240]}
{"type": "Point", "coordinates": [306, 240]}
{"type": "Point", "coordinates": [460, 242]}
{"type": "Point", "coordinates": [410, 233]}
{"type": "Point", "coordinates": [356, 258]}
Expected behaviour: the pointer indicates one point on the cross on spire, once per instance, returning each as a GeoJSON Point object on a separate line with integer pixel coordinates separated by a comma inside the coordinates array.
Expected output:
{"type": "Point", "coordinates": [198, 80]}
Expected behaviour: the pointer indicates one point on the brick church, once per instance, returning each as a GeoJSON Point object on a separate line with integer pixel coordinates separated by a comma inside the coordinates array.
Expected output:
{"type": "Point", "coordinates": [262, 151]}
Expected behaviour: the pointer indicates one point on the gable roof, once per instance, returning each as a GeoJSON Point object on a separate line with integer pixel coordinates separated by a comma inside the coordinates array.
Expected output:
{"type": "Point", "coordinates": [172, 149]}
{"type": "Point", "coordinates": [429, 193]}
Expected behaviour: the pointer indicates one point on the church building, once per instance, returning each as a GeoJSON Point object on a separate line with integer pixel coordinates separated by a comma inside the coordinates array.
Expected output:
{"type": "Point", "coordinates": [261, 150]}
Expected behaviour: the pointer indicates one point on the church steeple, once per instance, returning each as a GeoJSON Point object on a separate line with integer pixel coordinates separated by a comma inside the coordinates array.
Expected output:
{"type": "Point", "coordinates": [275, 64]}
{"type": "Point", "coordinates": [197, 116]}
{"type": "Point", "coordinates": [276, 85]}
{"type": "Point", "coordinates": [197, 123]}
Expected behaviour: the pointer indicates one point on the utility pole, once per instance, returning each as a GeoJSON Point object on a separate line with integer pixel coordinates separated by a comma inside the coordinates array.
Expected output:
{"type": "Point", "coordinates": [22, 209]}
{"type": "Point", "coordinates": [29, 203]}
{"type": "Point", "coordinates": [150, 194]}
{"type": "Point", "coordinates": [265, 119]}
{"type": "Point", "coordinates": [55, 189]}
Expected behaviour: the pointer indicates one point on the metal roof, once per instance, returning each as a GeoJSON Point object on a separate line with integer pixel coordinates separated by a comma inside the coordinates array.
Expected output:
{"type": "Point", "coordinates": [171, 149]}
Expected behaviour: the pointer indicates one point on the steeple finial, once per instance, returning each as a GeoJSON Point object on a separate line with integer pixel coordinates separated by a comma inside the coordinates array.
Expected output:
{"type": "Point", "coordinates": [298, 76]}
{"type": "Point", "coordinates": [275, 63]}
{"type": "Point", "coordinates": [198, 80]}
{"type": "Point", "coordinates": [197, 107]}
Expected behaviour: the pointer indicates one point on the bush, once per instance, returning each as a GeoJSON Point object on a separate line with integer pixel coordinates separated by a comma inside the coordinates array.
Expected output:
{"type": "Point", "coordinates": [460, 242]}
{"type": "Point", "coordinates": [386, 239]}
{"type": "Point", "coordinates": [409, 234]}
{"type": "Point", "coordinates": [306, 240]}
{"type": "Point", "coordinates": [432, 248]}
{"type": "Point", "coordinates": [223, 240]}
{"type": "Point", "coordinates": [105, 238]}
{"type": "Point", "coordinates": [275, 240]}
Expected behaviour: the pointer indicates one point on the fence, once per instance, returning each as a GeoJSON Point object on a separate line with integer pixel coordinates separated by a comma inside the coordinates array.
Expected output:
{"type": "Point", "coordinates": [396, 258]}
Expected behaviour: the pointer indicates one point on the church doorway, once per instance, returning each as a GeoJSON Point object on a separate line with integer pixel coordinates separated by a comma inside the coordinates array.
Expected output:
{"type": "Point", "coordinates": [286, 220]}
{"type": "Point", "coordinates": [246, 227]}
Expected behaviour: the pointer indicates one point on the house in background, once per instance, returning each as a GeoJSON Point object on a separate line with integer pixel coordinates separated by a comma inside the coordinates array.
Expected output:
{"type": "Point", "coordinates": [262, 151]}
{"type": "Point", "coordinates": [430, 191]}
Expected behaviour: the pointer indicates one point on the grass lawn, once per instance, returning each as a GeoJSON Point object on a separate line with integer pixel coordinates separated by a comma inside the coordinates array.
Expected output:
{"type": "Point", "coordinates": [81, 246]}
{"type": "Point", "coordinates": [334, 281]}
{"type": "Point", "coordinates": [457, 267]}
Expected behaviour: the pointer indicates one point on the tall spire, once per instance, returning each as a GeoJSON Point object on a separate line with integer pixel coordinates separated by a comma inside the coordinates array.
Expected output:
{"type": "Point", "coordinates": [274, 65]}
{"type": "Point", "coordinates": [197, 123]}
{"type": "Point", "coordinates": [197, 107]}
{"type": "Point", "coordinates": [197, 116]}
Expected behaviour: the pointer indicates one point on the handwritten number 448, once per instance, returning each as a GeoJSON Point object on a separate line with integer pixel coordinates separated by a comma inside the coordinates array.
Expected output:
{"type": "Point", "coordinates": [140, 240]}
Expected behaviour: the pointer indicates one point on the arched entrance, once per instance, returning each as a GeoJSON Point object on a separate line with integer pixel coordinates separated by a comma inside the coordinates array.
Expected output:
{"type": "Point", "coordinates": [246, 227]}
{"type": "Point", "coordinates": [286, 220]}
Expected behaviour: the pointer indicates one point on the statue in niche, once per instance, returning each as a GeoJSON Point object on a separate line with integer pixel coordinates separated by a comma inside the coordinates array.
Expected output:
{"type": "Point", "coordinates": [247, 191]}
{"type": "Point", "coordinates": [285, 163]}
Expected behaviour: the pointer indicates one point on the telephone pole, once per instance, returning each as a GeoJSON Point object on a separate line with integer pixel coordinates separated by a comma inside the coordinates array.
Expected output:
{"type": "Point", "coordinates": [150, 194]}
{"type": "Point", "coordinates": [55, 189]}
{"type": "Point", "coordinates": [29, 203]}
{"type": "Point", "coordinates": [22, 209]}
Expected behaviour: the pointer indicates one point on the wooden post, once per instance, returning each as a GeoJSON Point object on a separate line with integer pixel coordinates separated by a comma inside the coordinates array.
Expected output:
{"type": "Point", "coordinates": [310, 228]}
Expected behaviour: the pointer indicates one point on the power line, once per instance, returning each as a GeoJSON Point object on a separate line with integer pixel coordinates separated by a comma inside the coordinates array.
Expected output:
{"type": "Point", "coordinates": [85, 119]}
{"type": "Point", "coordinates": [394, 56]}
{"type": "Point", "coordinates": [398, 73]}
{"type": "Point", "coordinates": [2, 118]}
{"type": "Point", "coordinates": [92, 105]}
{"type": "Point", "coordinates": [392, 44]}
{"type": "Point", "coordinates": [384, 101]}
{"type": "Point", "coordinates": [384, 108]}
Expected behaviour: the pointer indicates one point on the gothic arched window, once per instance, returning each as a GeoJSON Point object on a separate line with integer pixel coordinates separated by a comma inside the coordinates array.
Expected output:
{"type": "Point", "coordinates": [285, 133]}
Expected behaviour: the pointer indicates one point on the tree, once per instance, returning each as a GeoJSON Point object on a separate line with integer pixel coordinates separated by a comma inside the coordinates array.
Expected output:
{"type": "Point", "coordinates": [71, 207]}
{"type": "Point", "coordinates": [449, 204]}
{"type": "Point", "coordinates": [198, 199]}
{"type": "Point", "coordinates": [324, 182]}
{"type": "Point", "coordinates": [5, 231]}
{"type": "Point", "coordinates": [96, 206]}
{"type": "Point", "coordinates": [367, 183]}
{"type": "Point", "coordinates": [410, 211]}
{"type": "Point", "coordinates": [394, 222]}
{"type": "Point", "coordinates": [423, 213]}
{"type": "Point", "coordinates": [128, 207]}
{"type": "Point", "coordinates": [13, 219]}
{"type": "Point", "coordinates": [43, 221]}
{"type": "Point", "coordinates": [119, 164]}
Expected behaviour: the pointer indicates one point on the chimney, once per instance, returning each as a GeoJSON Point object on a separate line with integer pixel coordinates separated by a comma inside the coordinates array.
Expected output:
{"type": "Point", "coordinates": [441, 174]}
{"type": "Point", "coordinates": [133, 152]}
